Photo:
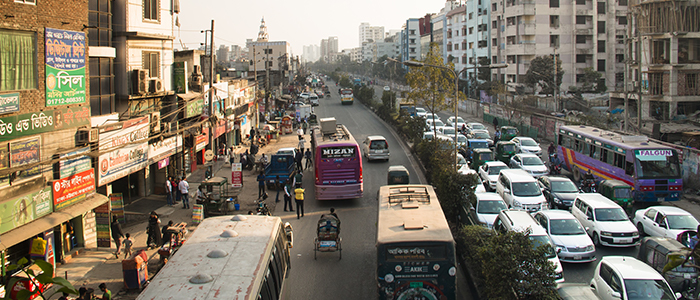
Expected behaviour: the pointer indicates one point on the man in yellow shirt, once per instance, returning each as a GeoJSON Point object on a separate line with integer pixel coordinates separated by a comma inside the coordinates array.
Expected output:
{"type": "Point", "coordinates": [299, 199]}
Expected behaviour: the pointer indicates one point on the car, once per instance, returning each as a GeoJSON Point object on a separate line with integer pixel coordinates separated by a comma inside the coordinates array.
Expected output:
{"type": "Point", "coordinates": [464, 169]}
{"type": "Point", "coordinates": [319, 94]}
{"type": "Point", "coordinates": [488, 172]}
{"type": "Point", "coordinates": [664, 221]}
{"type": "Point", "coordinates": [576, 291]}
{"type": "Point", "coordinates": [446, 130]}
{"type": "Point", "coordinates": [481, 135]}
{"type": "Point", "coordinates": [605, 221]}
{"type": "Point", "coordinates": [376, 147]}
{"type": "Point", "coordinates": [461, 161]}
{"type": "Point", "coordinates": [397, 175]}
{"type": "Point", "coordinates": [290, 150]}
{"type": "Point", "coordinates": [476, 126]}
{"type": "Point", "coordinates": [460, 122]}
{"type": "Point", "coordinates": [430, 123]}
{"type": "Point", "coordinates": [313, 99]}
{"type": "Point", "coordinates": [520, 190]}
{"type": "Point", "coordinates": [420, 112]}
{"type": "Point", "coordinates": [461, 140]}
{"type": "Point", "coordinates": [428, 135]}
{"type": "Point", "coordinates": [303, 97]}
{"type": "Point", "coordinates": [625, 277]}
{"type": "Point", "coordinates": [487, 207]}
{"type": "Point", "coordinates": [526, 145]}
{"type": "Point", "coordinates": [569, 237]}
{"type": "Point", "coordinates": [559, 191]}
{"type": "Point", "coordinates": [387, 88]}
{"type": "Point", "coordinates": [429, 116]}
{"type": "Point", "coordinates": [530, 163]}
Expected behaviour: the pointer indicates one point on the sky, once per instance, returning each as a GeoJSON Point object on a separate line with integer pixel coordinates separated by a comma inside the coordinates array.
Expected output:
{"type": "Point", "coordinates": [299, 22]}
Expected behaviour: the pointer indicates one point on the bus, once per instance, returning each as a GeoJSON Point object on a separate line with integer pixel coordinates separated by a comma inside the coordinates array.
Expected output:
{"type": "Point", "coordinates": [651, 168]}
{"type": "Point", "coordinates": [337, 162]}
{"type": "Point", "coordinates": [232, 257]}
{"type": "Point", "coordinates": [346, 96]}
{"type": "Point", "coordinates": [415, 249]}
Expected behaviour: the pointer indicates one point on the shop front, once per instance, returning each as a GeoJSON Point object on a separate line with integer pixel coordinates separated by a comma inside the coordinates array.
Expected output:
{"type": "Point", "coordinates": [160, 155]}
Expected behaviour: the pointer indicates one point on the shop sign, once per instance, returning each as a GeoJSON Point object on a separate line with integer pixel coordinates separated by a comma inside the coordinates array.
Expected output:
{"type": "Point", "coordinates": [164, 148]}
{"type": "Point", "coordinates": [43, 121]}
{"type": "Point", "coordinates": [163, 163]}
{"type": "Point", "coordinates": [194, 108]}
{"type": "Point", "coordinates": [49, 256]}
{"type": "Point", "coordinates": [236, 175]}
{"type": "Point", "coordinates": [65, 67]}
{"type": "Point", "coordinates": [180, 77]}
{"type": "Point", "coordinates": [75, 165]}
{"type": "Point", "coordinates": [72, 189]}
{"type": "Point", "coordinates": [220, 129]}
{"type": "Point", "coordinates": [26, 152]}
{"type": "Point", "coordinates": [122, 162]}
{"type": "Point", "coordinates": [19, 211]}
{"type": "Point", "coordinates": [133, 130]}
{"type": "Point", "coordinates": [201, 142]}
{"type": "Point", "coordinates": [9, 103]}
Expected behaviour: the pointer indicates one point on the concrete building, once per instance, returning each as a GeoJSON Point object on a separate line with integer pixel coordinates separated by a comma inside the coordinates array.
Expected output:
{"type": "Point", "coordinates": [222, 54]}
{"type": "Point", "coordinates": [329, 48]}
{"type": "Point", "coordinates": [370, 33]}
{"type": "Point", "coordinates": [311, 53]}
{"type": "Point", "coordinates": [467, 36]}
{"type": "Point", "coordinates": [355, 54]}
{"type": "Point", "coordinates": [269, 60]}
{"type": "Point", "coordinates": [410, 40]}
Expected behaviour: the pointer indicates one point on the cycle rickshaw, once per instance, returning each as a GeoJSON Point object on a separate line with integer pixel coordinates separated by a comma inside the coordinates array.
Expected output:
{"type": "Point", "coordinates": [327, 236]}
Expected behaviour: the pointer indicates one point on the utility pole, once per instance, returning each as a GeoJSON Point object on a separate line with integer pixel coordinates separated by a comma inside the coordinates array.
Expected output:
{"type": "Point", "coordinates": [555, 88]}
{"type": "Point", "coordinates": [255, 71]}
{"type": "Point", "coordinates": [267, 79]}
{"type": "Point", "coordinates": [639, 71]}
{"type": "Point", "coordinates": [211, 88]}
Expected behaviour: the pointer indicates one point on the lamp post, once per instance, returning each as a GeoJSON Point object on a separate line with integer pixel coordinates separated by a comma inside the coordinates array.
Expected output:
{"type": "Point", "coordinates": [412, 63]}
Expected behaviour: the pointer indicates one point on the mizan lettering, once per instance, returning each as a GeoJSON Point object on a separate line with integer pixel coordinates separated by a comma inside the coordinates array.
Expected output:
{"type": "Point", "coordinates": [339, 151]}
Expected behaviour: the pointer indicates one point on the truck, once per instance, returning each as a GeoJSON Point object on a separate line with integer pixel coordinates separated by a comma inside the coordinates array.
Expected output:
{"type": "Point", "coordinates": [346, 96]}
{"type": "Point", "coordinates": [303, 111]}
{"type": "Point", "coordinates": [281, 165]}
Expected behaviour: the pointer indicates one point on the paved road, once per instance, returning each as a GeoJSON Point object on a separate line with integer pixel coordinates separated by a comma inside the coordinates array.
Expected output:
{"type": "Point", "coordinates": [353, 276]}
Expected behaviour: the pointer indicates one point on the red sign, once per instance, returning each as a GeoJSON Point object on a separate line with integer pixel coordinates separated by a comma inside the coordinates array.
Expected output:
{"type": "Point", "coordinates": [26, 284]}
{"type": "Point", "coordinates": [236, 175]}
{"type": "Point", "coordinates": [220, 129]}
{"type": "Point", "coordinates": [71, 189]}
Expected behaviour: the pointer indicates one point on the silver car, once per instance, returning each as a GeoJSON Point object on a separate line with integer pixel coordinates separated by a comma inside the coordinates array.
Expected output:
{"type": "Point", "coordinates": [567, 234]}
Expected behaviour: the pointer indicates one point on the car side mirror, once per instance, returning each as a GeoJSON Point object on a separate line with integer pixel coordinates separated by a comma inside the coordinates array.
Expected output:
{"type": "Point", "coordinates": [558, 250]}
{"type": "Point", "coordinates": [507, 191]}
{"type": "Point", "coordinates": [589, 218]}
{"type": "Point", "coordinates": [615, 294]}
{"type": "Point", "coordinates": [587, 229]}
{"type": "Point", "coordinates": [472, 208]}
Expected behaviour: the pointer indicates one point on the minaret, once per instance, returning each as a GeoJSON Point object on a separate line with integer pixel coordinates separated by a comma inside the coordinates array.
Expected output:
{"type": "Point", "coordinates": [262, 35]}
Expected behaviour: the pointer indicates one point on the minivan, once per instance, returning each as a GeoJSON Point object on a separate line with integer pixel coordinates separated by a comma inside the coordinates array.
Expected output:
{"type": "Point", "coordinates": [376, 147]}
{"type": "Point", "coordinates": [520, 190]}
{"type": "Point", "coordinates": [521, 221]}
{"type": "Point", "coordinates": [605, 221]}
{"type": "Point", "coordinates": [313, 100]}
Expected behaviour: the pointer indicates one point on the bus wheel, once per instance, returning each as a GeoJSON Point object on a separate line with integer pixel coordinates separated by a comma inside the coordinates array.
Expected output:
{"type": "Point", "coordinates": [577, 174]}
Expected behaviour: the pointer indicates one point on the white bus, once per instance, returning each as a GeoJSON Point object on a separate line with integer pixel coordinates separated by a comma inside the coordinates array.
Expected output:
{"type": "Point", "coordinates": [228, 257]}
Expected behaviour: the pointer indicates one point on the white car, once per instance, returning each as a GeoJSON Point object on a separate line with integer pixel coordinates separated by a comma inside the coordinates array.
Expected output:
{"type": "Point", "coordinates": [461, 139]}
{"type": "Point", "coordinates": [487, 207]}
{"type": "Point", "coordinates": [313, 99]}
{"type": "Point", "coordinates": [488, 172]}
{"type": "Point", "coordinates": [664, 221]}
{"type": "Point", "coordinates": [387, 88]}
{"type": "Point", "coordinates": [461, 161]}
{"type": "Point", "coordinates": [446, 130]}
{"type": "Point", "coordinates": [428, 135]}
{"type": "Point", "coordinates": [476, 126]}
{"type": "Point", "coordinates": [625, 277]}
{"type": "Point", "coordinates": [464, 169]}
{"type": "Point", "coordinates": [531, 163]}
{"type": "Point", "coordinates": [290, 150]}
{"type": "Point", "coordinates": [526, 145]}
{"type": "Point", "coordinates": [460, 122]}
{"type": "Point", "coordinates": [567, 234]}
{"type": "Point", "coordinates": [429, 124]}
{"type": "Point", "coordinates": [480, 134]}
{"type": "Point", "coordinates": [432, 116]}
{"type": "Point", "coordinates": [420, 112]}
{"type": "Point", "coordinates": [606, 222]}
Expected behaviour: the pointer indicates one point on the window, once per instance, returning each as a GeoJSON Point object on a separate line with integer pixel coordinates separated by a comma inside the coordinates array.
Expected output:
{"type": "Point", "coordinates": [269, 51]}
{"type": "Point", "coordinates": [510, 59]}
{"type": "Point", "coordinates": [101, 85]}
{"type": "Point", "coordinates": [412, 31]}
{"type": "Point", "coordinates": [151, 10]}
{"type": "Point", "coordinates": [18, 65]}
{"type": "Point", "coordinates": [601, 46]}
{"type": "Point", "coordinates": [620, 58]}
{"type": "Point", "coordinates": [580, 58]}
{"type": "Point", "coordinates": [554, 40]}
{"type": "Point", "coordinates": [100, 18]}
{"type": "Point", "coordinates": [494, 7]}
{"type": "Point", "coordinates": [601, 26]}
{"type": "Point", "coordinates": [464, 31]}
{"type": "Point", "coordinates": [691, 82]}
{"type": "Point", "coordinates": [620, 77]}
{"type": "Point", "coordinates": [449, 46]}
{"type": "Point", "coordinates": [464, 59]}
{"type": "Point", "coordinates": [471, 30]}
{"type": "Point", "coordinates": [151, 62]}
{"type": "Point", "coordinates": [494, 24]}
{"type": "Point", "coordinates": [581, 20]}
{"type": "Point", "coordinates": [471, 45]}
{"type": "Point", "coordinates": [494, 42]}
{"type": "Point", "coordinates": [553, 3]}
{"type": "Point", "coordinates": [510, 40]}
{"type": "Point", "coordinates": [456, 46]}
{"type": "Point", "coordinates": [510, 21]}
{"type": "Point", "coordinates": [580, 2]}
{"type": "Point", "coordinates": [471, 15]}
{"type": "Point", "coordinates": [601, 8]}
{"type": "Point", "coordinates": [457, 32]}
{"type": "Point", "coordinates": [620, 39]}
{"type": "Point", "coordinates": [554, 21]}
{"type": "Point", "coordinates": [622, 2]}
{"type": "Point", "coordinates": [580, 39]}
{"type": "Point", "coordinates": [471, 62]}
{"type": "Point", "coordinates": [621, 20]}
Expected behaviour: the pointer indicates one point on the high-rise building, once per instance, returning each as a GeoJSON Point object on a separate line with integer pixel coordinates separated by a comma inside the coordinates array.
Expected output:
{"type": "Point", "coordinates": [370, 33]}
{"type": "Point", "coordinates": [410, 40]}
{"type": "Point", "coordinates": [222, 54]}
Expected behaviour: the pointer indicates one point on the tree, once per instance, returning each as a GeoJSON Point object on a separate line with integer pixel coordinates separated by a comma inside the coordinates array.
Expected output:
{"type": "Point", "coordinates": [591, 82]}
{"type": "Point", "coordinates": [541, 72]}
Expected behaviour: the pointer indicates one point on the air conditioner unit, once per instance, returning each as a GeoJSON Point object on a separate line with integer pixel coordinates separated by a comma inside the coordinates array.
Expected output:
{"type": "Point", "coordinates": [155, 122]}
{"type": "Point", "coordinates": [140, 81]}
{"type": "Point", "coordinates": [87, 136]}
{"type": "Point", "coordinates": [632, 86]}
{"type": "Point", "coordinates": [155, 85]}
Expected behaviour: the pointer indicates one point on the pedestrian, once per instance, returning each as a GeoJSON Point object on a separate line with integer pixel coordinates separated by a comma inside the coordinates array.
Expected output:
{"type": "Point", "coordinates": [81, 293]}
{"type": "Point", "coordinates": [495, 123]}
{"type": "Point", "coordinates": [106, 294]}
{"type": "Point", "coordinates": [297, 179]}
{"type": "Point", "coordinates": [231, 157]}
{"type": "Point", "coordinates": [169, 191]}
{"type": "Point", "coordinates": [254, 149]}
{"type": "Point", "coordinates": [117, 234]}
{"type": "Point", "coordinates": [252, 135]}
{"type": "Point", "coordinates": [300, 133]}
{"type": "Point", "coordinates": [184, 188]}
{"type": "Point", "coordinates": [128, 244]}
{"type": "Point", "coordinates": [261, 184]}
{"type": "Point", "coordinates": [89, 294]}
{"type": "Point", "coordinates": [153, 229]}
{"type": "Point", "coordinates": [309, 162]}
{"type": "Point", "coordinates": [297, 159]}
{"type": "Point", "coordinates": [288, 195]}
{"type": "Point", "coordinates": [299, 199]}
{"type": "Point", "coordinates": [301, 145]}
{"type": "Point", "coordinates": [178, 194]}
{"type": "Point", "coordinates": [278, 187]}
{"type": "Point", "coordinates": [305, 125]}
{"type": "Point", "coordinates": [201, 196]}
{"type": "Point", "coordinates": [167, 233]}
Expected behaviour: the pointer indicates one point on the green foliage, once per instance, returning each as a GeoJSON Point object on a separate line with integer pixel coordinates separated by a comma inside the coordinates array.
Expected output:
{"type": "Point", "coordinates": [541, 73]}
{"type": "Point", "coordinates": [507, 265]}
{"type": "Point", "coordinates": [345, 82]}
{"type": "Point", "coordinates": [452, 189]}
{"type": "Point", "coordinates": [45, 277]}
{"type": "Point", "coordinates": [386, 109]}
{"type": "Point", "coordinates": [410, 127]}
{"type": "Point", "coordinates": [592, 81]}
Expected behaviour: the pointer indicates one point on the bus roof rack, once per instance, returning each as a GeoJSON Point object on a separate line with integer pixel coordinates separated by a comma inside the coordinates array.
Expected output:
{"type": "Point", "coordinates": [408, 193]}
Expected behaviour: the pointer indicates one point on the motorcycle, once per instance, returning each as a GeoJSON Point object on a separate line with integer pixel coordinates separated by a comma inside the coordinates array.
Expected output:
{"type": "Point", "coordinates": [588, 186]}
{"type": "Point", "coordinates": [555, 169]}
{"type": "Point", "coordinates": [262, 208]}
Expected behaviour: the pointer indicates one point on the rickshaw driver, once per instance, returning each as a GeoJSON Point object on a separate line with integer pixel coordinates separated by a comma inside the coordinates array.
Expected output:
{"type": "Point", "coordinates": [332, 214]}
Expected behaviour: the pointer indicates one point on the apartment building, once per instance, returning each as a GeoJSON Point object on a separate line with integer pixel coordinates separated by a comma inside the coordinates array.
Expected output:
{"type": "Point", "coordinates": [410, 40]}
{"type": "Point", "coordinates": [466, 35]}
{"type": "Point", "coordinates": [370, 33]}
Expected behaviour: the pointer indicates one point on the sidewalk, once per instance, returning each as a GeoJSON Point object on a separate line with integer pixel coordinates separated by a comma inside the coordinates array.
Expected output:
{"type": "Point", "coordinates": [90, 267]}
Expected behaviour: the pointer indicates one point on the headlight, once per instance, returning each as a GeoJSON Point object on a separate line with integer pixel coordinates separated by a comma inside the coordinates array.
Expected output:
{"type": "Point", "coordinates": [389, 278]}
{"type": "Point", "coordinates": [635, 234]}
{"type": "Point", "coordinates": [556, 200]}
{"type": "Point", "coordinates": [516, 203]}
{"type": "Point", "coordinates": [452, 271]}
{"type": "Point", "coordinates": [590, 248]}
{"type": "Point", "coordinates": [561, 248]}
{"type": "Point", "coordinates": [605, 233]}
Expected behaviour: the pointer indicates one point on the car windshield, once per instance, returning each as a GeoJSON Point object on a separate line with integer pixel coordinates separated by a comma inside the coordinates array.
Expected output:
{"type": "Point", "coordinates": [420, 109]}
{"type": "Point", "coordinates": [460, 120]}
{"type": "Point", "coordinates": [461, 160]}
{"type": "Point", "coordinates": [623, 193]}
{"type": "Point", "coordinates": [565, 227]}
{"type": "Point", "coordinates": [648, 289]}
{"type": "Point", "coordinates": [509, 148]}
{"type": "Point", "coordinates": [486, 156]}
{"type": "Point", "coordinates": [438, 123]}
{"type": "Point", "coordinates": [543, 240]}
{"type": "Point", "coordinates": [532, 161]}
{"type": "Point", "coordinates": [528, 142]}
{"type": "Point", "coordinates": [682, 222]}
{"type": "Point", "coordinates": [477, 126]}
{"type": "Point", "coordinates": [482, 135]}
{"type": "Point", "coordinates": [526, 189]}
{"type": "Point", "coordinates": [564, 186]}
{"type": "Point", "coordinates": [476, 145]}
{"type": "Point", "coordinates": [491, 206]}
{"type": "Point", "coordinates": [448, 131]}
{"type": "Point", "coordinates": [495, 170]}
{"type": "Point", "coordinates": [610, 215]}
{"type": "Point", "coordinates": [461, 139]}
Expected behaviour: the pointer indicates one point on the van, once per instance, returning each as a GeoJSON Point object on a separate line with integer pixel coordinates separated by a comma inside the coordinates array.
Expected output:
{"type": "Point", "coordinates": [605, 221]}
{"type": "Point", "coordinates": [520, 190]}
{"type": "Point", "coordinates": [376, 147]}
{"type": "Point", "coordinates": [521, 221]}
{"type": "Point", "coordinates": [313, 100]}
{"type": "Point", "coordinates": [397, 175]}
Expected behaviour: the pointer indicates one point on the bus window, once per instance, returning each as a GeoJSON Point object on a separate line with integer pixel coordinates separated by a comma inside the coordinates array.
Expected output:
{"type": "Point", "coordinates": [595, 152]}
{"type": "Point", "coordinates": [586, 148]}
{"type": "Point", "coordinates": [619, 160]}
{"type": "Point", "coordinates": [560, 140]}
{"type": "Point", "coordinates": [629, 168]}
{"type": "Point", "coordinates": [577, 146]}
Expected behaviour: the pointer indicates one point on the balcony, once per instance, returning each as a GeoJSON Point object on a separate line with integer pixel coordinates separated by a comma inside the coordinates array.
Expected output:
{"type": "Point", "coordinates": [511, 30]}
{"type": "Point", "coordinates": [582, 49]}
{"type": "Point", "coordinates": [524, 9]}
{"type": "Point", "coordinates": [527, 28]}
{"type": "Point", "coordinates": [584, 12]}
{"type": "Point", "coordinates": [521, 49]}
{"type": "Point", "coordinates": [583, 31]}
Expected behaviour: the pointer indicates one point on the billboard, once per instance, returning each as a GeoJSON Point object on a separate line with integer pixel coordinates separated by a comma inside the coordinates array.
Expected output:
{"type": "Point", "coordinates": [65, 67]}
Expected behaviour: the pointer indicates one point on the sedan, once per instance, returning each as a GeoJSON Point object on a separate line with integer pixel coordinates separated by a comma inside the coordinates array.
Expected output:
{"type": "Point", "coordinates": [460, 122]}
{"type": "Point", "coordinates": [664, 221]}
{"type": "Point", "coordinates": [567, 234]}
{"type": "Point", "coordinates": [481, 135]}
{"type": "Point", "coordinates": [429, 124]}
{"type": "Point", "coordinates": [488, 205]}
{"type": "Point", "coordinates": [476, 126]}
{"type": "Point", "coordinates": [559, 191]}
{"type": "Point", "coordinates": [489, 172]}
{"type": "Point", "coordinates": [530, 163]}
{"type": "Point", "coordinates": [429, 116]}
{"type": "Point", "coordinates": [446, 130]}
{"type": "Point", "coordinates": [526, 145]}
{"type": "Point", "coordinates": [420, 112]}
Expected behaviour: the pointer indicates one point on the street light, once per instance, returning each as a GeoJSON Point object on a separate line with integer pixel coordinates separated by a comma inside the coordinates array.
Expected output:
{"type": "Point", "coordinates": [413, 63]}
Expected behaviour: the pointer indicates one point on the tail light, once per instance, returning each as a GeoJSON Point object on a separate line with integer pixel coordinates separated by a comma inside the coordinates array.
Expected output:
{"type": "Point", "coordinates": [649, 188]}
{"type": "Point", "coordinates": [675, 187]}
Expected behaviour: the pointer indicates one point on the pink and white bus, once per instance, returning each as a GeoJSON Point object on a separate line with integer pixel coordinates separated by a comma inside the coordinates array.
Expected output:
{"type": "Point", "coordinates": [337, 162]}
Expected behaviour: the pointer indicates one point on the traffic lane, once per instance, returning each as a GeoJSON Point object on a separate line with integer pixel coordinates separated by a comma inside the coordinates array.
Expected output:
{"type": "Point", "coordinates": [583, 273]}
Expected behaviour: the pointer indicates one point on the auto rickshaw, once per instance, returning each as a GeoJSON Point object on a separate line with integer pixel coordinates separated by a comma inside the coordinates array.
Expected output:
{"type": "Point", "coordinates": [397, 175]}
{"type": "Point", "coordinates": [218, 199]}
{"type": "Point", "coordinates": [504, 151]}
{"type": "Point", "coordinates": [617, 191]}
{"type": "Point", "coordinates": [666, 256]}
{"type": "Point", "coordinates": [480, 156]}
{"type": "Point", "coordinates": [313, 120]}
{"type": "Point", "coordinates": [508, 132]}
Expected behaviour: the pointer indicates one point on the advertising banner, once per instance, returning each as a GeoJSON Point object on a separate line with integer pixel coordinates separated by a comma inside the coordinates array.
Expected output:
{"type": "Point", "coordinates": [180, 77]}
{"type": "Point", "coordinates": [65, 67]}
{"type": "Point", "coordinates": [194, 108]}
{"type": "Point", "coordinates": [122, 162]}
{"type": "Point", "coordinates": [26, 152]}
{"type": "Point", "coordinates": [133, 130]}
{"type": "Point", "coordinates": [102, 221]}
{"type": "Point", "coordinates": [49, 256]}
{"type": "Point", "coordinates": [116, 201]}
{"type": "Point", "coordinates": [201, 142]}
{"type": "Point", "coordinates": [44, 121]}
{"type": "Point", "coordinates": [163, 163]}
{"type": "Point", "coordinates": [75, 165]}
{"type": "Point", "coordinates": [22, 210]}
{"type": "Point", "coordinates": [72, 189]}
{"type": "Point", "coordinates": [162, 149]}
{"type": "Point", "coordinates": [236, 175]}
{"type": "Point", "coordinates": [9, 103]}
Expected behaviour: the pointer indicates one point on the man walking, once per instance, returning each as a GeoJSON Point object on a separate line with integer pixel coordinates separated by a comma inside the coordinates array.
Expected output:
{"type": "Point", "coordinates": [169, 191]}
{"type": "Point", "coordinates": [307, 155]}
{"type": "Point", "coordinates": [278, 187]}
{"type": "Point", "coordinates": [288, 195]}
{"type": "Point", "coordinates": [302, 144]}
{"type": "Point", "coordinates": [297, 158]}
{"type": "Point", "coordinates": [117, 234]}
{"type": "Point", "coordinates": [261, 184]}
{"type": "Point", "coordinates": [299, 199]}
{"type": "Point", "coordinates": [184, 188]}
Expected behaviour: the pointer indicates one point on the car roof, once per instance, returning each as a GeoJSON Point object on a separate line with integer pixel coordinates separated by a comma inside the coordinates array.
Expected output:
{"type": "Point", "coordinates": [495, 163]}
{"type": "Point", "coordinates": [480, 130]}
{"type": "Point", "coordinates": [488, 196]}
{"type": "Point", "coordinates": [557, 214]}
{"type": "Point", "coordinates": [287, 149]}
{"type": "Point", "coordinates": [527, 155]}
{"type": "Point", "coordinates": [522, 220]}
{"type": "Point", "coordinates": [596, 200]}
{"type": "Point", "coordinates": [397, 168]}
{"type": "Point", "coordinates": [670, 210]}
{"type": "Point", "coordinates": [518, 175]}
{"type": "Point", "coordinates": [524, 138]}
{"type": "Point", "coordinates": [375, 137]}
{"type": "Point", "coordinates": [631, 268]}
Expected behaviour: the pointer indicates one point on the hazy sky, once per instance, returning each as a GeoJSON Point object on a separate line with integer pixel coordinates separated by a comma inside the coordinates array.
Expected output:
{"type": "Point", "coordinates": [300, 22]}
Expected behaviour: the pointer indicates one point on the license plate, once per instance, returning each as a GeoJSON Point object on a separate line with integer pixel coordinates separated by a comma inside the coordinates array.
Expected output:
{"type": "Point", "coordinates": [661, 199]}
{"type": "Point", "coordinates": [577, 257]}
{"type": "Point", "coordinates": [327, 244]}
{"type": "Point", "coordinates": [624, 241]}
{"type": "Point", "coordinates": [686, 276]}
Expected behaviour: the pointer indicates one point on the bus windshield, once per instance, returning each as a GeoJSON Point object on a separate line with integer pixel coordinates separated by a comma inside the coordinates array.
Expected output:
{"type": "Point", "coordinates": [653, 164]}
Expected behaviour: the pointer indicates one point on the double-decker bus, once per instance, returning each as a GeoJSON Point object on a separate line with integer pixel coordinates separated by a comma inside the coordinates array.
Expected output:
{"type": "Point", "coordinates": [346, 96]}
{"type": "Point", "coordinates": [415, 248]}
{"type": "Point", "coordinates": [652, 169]}
{"type": "Point", "coordinates": [232, 257]}
{"type": "Point", "coordinates": [337, 162]}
